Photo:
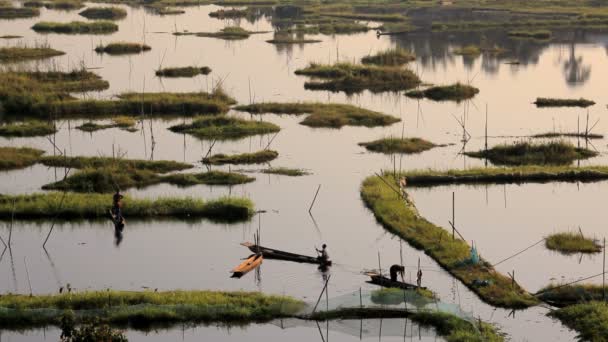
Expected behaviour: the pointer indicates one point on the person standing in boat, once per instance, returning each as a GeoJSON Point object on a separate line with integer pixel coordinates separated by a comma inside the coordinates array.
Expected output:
{"type": "Point", "coordinates": [419, 278]}
{"type": "Point", "coordinates": [323, 255]}
{"type": "Point", "coordinates": [396, 270]}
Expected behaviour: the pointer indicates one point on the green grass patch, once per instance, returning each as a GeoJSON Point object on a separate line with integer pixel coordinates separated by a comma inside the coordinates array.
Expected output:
{"type": "Point", "coordinates": [284, 171]}
{"type": "Point", "coordinates": [353, 78]}
{"type": "Point", "coordinates": [124, 122]}
{"type": "Point", "coordinates": [549, 102]}
{"type": "Point", "coordinates": [331, 115]}
{"type": "Point", "coordinates": [208, 178]}
{"type": "Point", "coordinates": [122, 48]}
{"type": "Point", "coordinates": [525, 153]}
{"type": "Point", "coordinates": [169, 11]}
{"type": "Point", "coordinates": [329, 28]}
{"type": "Point", "coordinates": [402, 218]}
{"type": "Point", "coordinates": [563, 295]}
{"type": "Point", "coordinates": [65, 5]}
{"type": "Point", "coordinates": [145, 308]}
{"type": "Point", "coordinates": [31, 128]}
{"type": "Point", "coordinates": [231, 13]}
{"type": "Point", "coordinates": [17, 54]}
{"type": "Point", "coordinates": [96, 206]}
{"type": "Point", "coordinates": [454, 92]}
{"type": "Point", "coordinates": [394, 296]}
{"type": "Point", "coordinates": [18, 157]}
{"type": "Point", "coordinates": [533, 34]}
{"type": "Point", "coordinates": [225, 127]}
{"type": "Point", "coordinates": [104, 13]}
{"type": "Point", "coordinates": [74, 81]}
{"type": "Point", "coordinates": [396, 56]}
{"type": "Point", "coordinates": [398, 145]}
{"type": "Point", "coordinates": [76, 27]}
{"type": "Point", "coordinates": [229, 33]}
{"type": "Point", "coordinates": [157, 166]}
{"type": "Point", "coordinates": [469, 50]}
{"type": "Point", "coordinates": [183, 71]}
{"type": "Point", "coordinates": [258, 157]}
{"type": "Point", "coordinates": [9, 12]}
{"type": "Point", "coordinates": [571, 242]}
{"type": "Point", "coordinates": [590, 320]}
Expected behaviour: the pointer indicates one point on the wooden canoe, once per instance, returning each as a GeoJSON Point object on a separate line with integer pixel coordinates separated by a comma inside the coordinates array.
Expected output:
{"type": "Point", "coordinates": [383, 281]}
{"type": "Point", "coordinates": [270, 253]}
{"type": "Point", "coordinates": [249, 264]}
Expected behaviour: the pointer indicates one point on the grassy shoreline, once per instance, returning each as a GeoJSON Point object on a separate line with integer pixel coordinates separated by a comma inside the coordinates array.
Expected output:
{"type": "Point", "coordinates": [402, 218]}
{"type": "Point", "coordinates": [590, 320]}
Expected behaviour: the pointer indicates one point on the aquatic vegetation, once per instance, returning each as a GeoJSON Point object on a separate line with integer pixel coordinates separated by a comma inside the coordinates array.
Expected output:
{"type": "Point", "coordinates": [229, 33]}
{"type": "Point", "coordinates": [63, 4]}
{"type": "Point", "coordinates": [258, 157]}
{"type": "Point", "coordinates": [330, 28]}
{"type": "Point", "coordinates": [453, 92]}
{"type": "Point", "coordinates": [16, 54]}
{"type": "Point", "coordinates": [183, 71]}
{"type": "Point", "coordinates": [208, 178]}
{"type": "Point", "coordinates": [499, 175]}
{"type": "Point", "coordinates": [571, 242]}
{"type": "Point", "coordinates": [30, 128]}
{"type": "Point", "coordinates": [225, 127]}
{"type": "Point", "coordinates": [104, 180]}
{"type": "Point", "coordinates": [282, 38]}
{"type": "Point", "coordinates": [7, 11]}
{"type": "Point", "coordinates": [525, 153]}
{"type": "Point", "coordinates": [395, 296]}
{"type": "Point", "coordinates": [156, 166]}
{"type": "Point", "coordinates": [284, 171]}
{"type": "Point", "coordinates": [398, 145]}
{"type": "Point", "coordinates": [401, 217]}
{"type": "Point", "coordinates": [107, 13]}
{"type": "Point", "coordinates": [169, 11]}
{"type": "Point", "coordinates": [549, 102]}
{"type": "Point", "coordinates": [145, 308]}
{"type": "Point", "coordinates": [124, 122]}
{"type": "Point", "coordinates": [353, 78]}
{"type": "Point", "coordinates": [76, 27]}
{"type": "Point", "coordinates": [469, 50]}
{"type": "Point", "coordinates": [122, 48]}
{"type": "Point", "coordinates": [535, 34]}
{"type": "Point", "coordinates": [590, 320]}
{"type": "Point", "coordinates": [75, 81]}
{"type": "Point", "coordinates": [330, 115]}
{"type": "Point", "coordinates": [396, 56]}
{"type": "Point", "coordinates": [229, 13]}
{"type": "Point", "coordinates": [96, 206]}
{"type": "Point", "coordinates": [367, 16]}
{"type": "Point", "coordinates": [18, 157]}
{"type": "Point", "coordinates": [10, 36]}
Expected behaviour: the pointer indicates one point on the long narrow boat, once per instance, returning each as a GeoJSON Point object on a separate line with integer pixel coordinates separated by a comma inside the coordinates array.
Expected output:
{"type": "Point", "coordinates": [380, 280]}
{"type": "Point", "coordinates": [270, 253]}
{"type": "Point", "coordinates": [249, 264]}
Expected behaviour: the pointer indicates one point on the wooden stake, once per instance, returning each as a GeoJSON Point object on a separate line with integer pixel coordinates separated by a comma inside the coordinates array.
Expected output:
{"type": "Point", "coordinates": [453, 213]}
{"type": "Point", "coordinates": [314, 199]}
{"type": "Point", "coordinates": [360, 298]}
{"type": "Point", "coordinates": [28, 276]}
{"type": "Point", "coordinates": [486, 127]}
{"type": "Point", "coordinates": [604, 273]}
{"type": "Point", "coordinates": [379, 266]}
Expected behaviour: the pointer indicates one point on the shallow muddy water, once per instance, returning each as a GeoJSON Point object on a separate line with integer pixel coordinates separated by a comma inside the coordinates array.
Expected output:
{"type": "Point", "coordinates": [199, 254]}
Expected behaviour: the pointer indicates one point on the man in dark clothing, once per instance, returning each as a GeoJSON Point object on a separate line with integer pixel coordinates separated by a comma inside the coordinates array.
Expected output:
{"type": "Point", "coordinates": [419, 278]}
{"type": "Point", "coordinates": [323, 256]}
{"type": "Point", "coordinates": [396, 269]}
{"type": "Point", "coordinates": [116, 205]}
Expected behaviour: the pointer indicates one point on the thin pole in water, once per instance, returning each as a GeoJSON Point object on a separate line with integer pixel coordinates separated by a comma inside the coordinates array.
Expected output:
{"type": "Point", "coordinates": [486, 127]}
{"type": "Point", "coordinates": [604, 273]}
{"type": "Point", "coordinates": [453, 213]}
{"type": "Point", "coordinates": [314, 199]}
{"type": "Point", "coordinates": [379, 266]}
{"type": "Point", "coordinates": [28, 276]}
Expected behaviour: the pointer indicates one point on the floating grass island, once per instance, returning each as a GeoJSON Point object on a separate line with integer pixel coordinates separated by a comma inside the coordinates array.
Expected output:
{"type": "Point", "coordinates": [570, 243]}
{"type": "Point", "coordinates": [398, 145]}
{"type": "Point", "coordinates": [7, 11]}
{"type": "Point", "coordinates": [65, 5]}
{"type": "Point", "coordinates": [18, 157]}
{"type": "Point", "coordinates": [455, 92]}
{"type": "Point", "coordinates": [76, 81]}
{"type": "Point", "coordinates": [31, 128]}
{"type": "Point", "coordinates": [258, 157]}
{"type": "Point", "coordinates": [124, 122]}
{"type": "Point", "coordinates": [324, 114]}
{"type": "Point", "coordinates": [76, 27]}
{"type": "Point", "coordinates": [96, 206]}
{"type": "Point", "coordinates": [183, 71]}
{"type": "Point", "coordinates": [525, 153]}
{"type": "Point", "coordinates": [561, 295]}
{"type": "Point", "coordinates": [284, 171]}
{"type": "Point", "coordinates": [227, 33]}
{"type": "Point", "coordinates": [590, 320]}
{"type": "Point", "coordinates": [157, 166]}
{"type": "Point", "coordinates": [550, 135]}
{"type": "Point", "coordinates": [401, 217]}
{"type": "Point", "coordinates": [122, 48]}
{"type": "Point", "coordinates": [225, 127]}
{"type": "Point", "coordinates": [104, 13]}
{"type": "Point", "coordinates": [231, 13]}
{"type": "Point", "coordinates": [353, 78]}
{"type": "Point", "coordinates": [549, 102]}
{"type": "Point", "coordinates": [534, 34]}
{"type": "Point", "coordinates": [390, 57]}
{"type": "Point", "coordinates": [17, 54]}
{"type": "Point", "coordinates": [469, 50]}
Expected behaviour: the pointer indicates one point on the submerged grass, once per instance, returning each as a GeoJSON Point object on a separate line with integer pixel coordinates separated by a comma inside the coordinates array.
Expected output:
{"type": "Point", "coordinates": [225, 127]}
{"type": "Point", "coordinates": [454, 92]}
{"type": "Point", "coordinates": [183, 71]}
{"type": "Point", "coordinates": [570, 242]}
{"type": "Point", "coordinates": [590, 320]}
{"type": "Point", "coordinates": [122, 48]}
{"type": "Point", "coordinates": [16, 54]}
{"type": "Point", "coordinates": [18, 157]}
{"type": "Point", "coordinates": [95, 206]}
{"type": "Point", "coordinates": [258, 157]}
{"type": "Point", "coordinates": [401, 217]}
{"type": "Point", "coordinates": [106, 13]}
{"type": "Point", "coordinates": [525, 153]}
{"type": "Point", "coordinates": [76, 27]}
{"type": "Point", "coordinates": [398, 145]}
{"type": "Point", "coordinates": [353, 78]}
{"type": "Point", "coordinates": [331, 115]}
{"type": "Point", "coordinates": [145, 308]}
{"type": "Point", "coordinates": [31, 128]}
{"type": "Point", "coordinates": [396, 56]}
{"type": "Point", "coordinates": [549, 102]}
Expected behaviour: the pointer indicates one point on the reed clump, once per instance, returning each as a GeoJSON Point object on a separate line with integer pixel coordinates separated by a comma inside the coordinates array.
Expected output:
{"type": "Point", "coordinates": [18, 157]}
{"type": "Point", "coordinates": [398, 145]}
{"type": "Point", "coordinates": [7, 11]}
{"type": "Point", "coordinates": [231, 13]}
{"type": "Point", "coordinates": [189, 71]}
{"type": "Point", "coordinates": [122, 48]}
{"type": "Point", "coordinates": [258, 157]}
{"type": "Point", "coordinates": [454, 92]}
{"type": "Point", "coordinates": [525, 153]}
{"type": "Point", "coordinates": [104, 13]}
{"type": "Point", "coordinates": [284, 171]}
{"type": "Point", "coordinates": [571, 242]}
{"type": "Point", "coordinates": [65, 5]}
{"type": "Point", "coordinates": [225, 127]}
{"type": "Point", "coordinates": [229, 33]}
{"type": "Point", "coordinates": [396, 56]}
{"type": "Point", "coordinates": [326, 115]}
{"type": "Point", "coordinates": [76, 27]}
{"type": "Point", "coordinates": [16, 54]}
{"type": "Point", "coordinates": [353, 78]}
{"type": "Point", "coordinates": [551, 102]}
{"type": "Point", "coordinates": [30, 128]}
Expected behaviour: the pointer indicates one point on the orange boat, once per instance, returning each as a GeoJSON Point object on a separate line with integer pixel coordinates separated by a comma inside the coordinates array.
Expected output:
{"type": "Point", "coordinates": [253, 261]}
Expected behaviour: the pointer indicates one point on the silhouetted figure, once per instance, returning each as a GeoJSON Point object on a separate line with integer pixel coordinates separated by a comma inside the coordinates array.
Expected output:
{"type": "Point", "coordinates": [396, 270]}
{"type": "Point", "coordinates": [419, 278]}
{"type": "Point", "coordinates": [323, 255]}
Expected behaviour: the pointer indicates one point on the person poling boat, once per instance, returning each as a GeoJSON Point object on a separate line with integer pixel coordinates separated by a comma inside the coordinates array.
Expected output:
{"type": "Point", "coordinates": [323, 255]}
{"type": "Point", "coordinates": [396, 270]}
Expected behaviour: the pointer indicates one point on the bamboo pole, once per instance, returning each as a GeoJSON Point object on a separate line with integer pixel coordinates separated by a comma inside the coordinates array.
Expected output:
{"type": "Point", "coordinates": [314, 199]}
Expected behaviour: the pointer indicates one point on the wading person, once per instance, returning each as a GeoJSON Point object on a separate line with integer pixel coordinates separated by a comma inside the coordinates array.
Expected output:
{"type": "Point", "coordinates": [116, 206]}
{"type": "Point", "coordinates": [396, 270]}
{"type": "Point", "coordinates": [419, 278]}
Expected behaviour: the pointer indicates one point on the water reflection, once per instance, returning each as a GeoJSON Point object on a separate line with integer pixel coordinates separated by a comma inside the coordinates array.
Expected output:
{"type": "Point", "coordinates": [575, 71]}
